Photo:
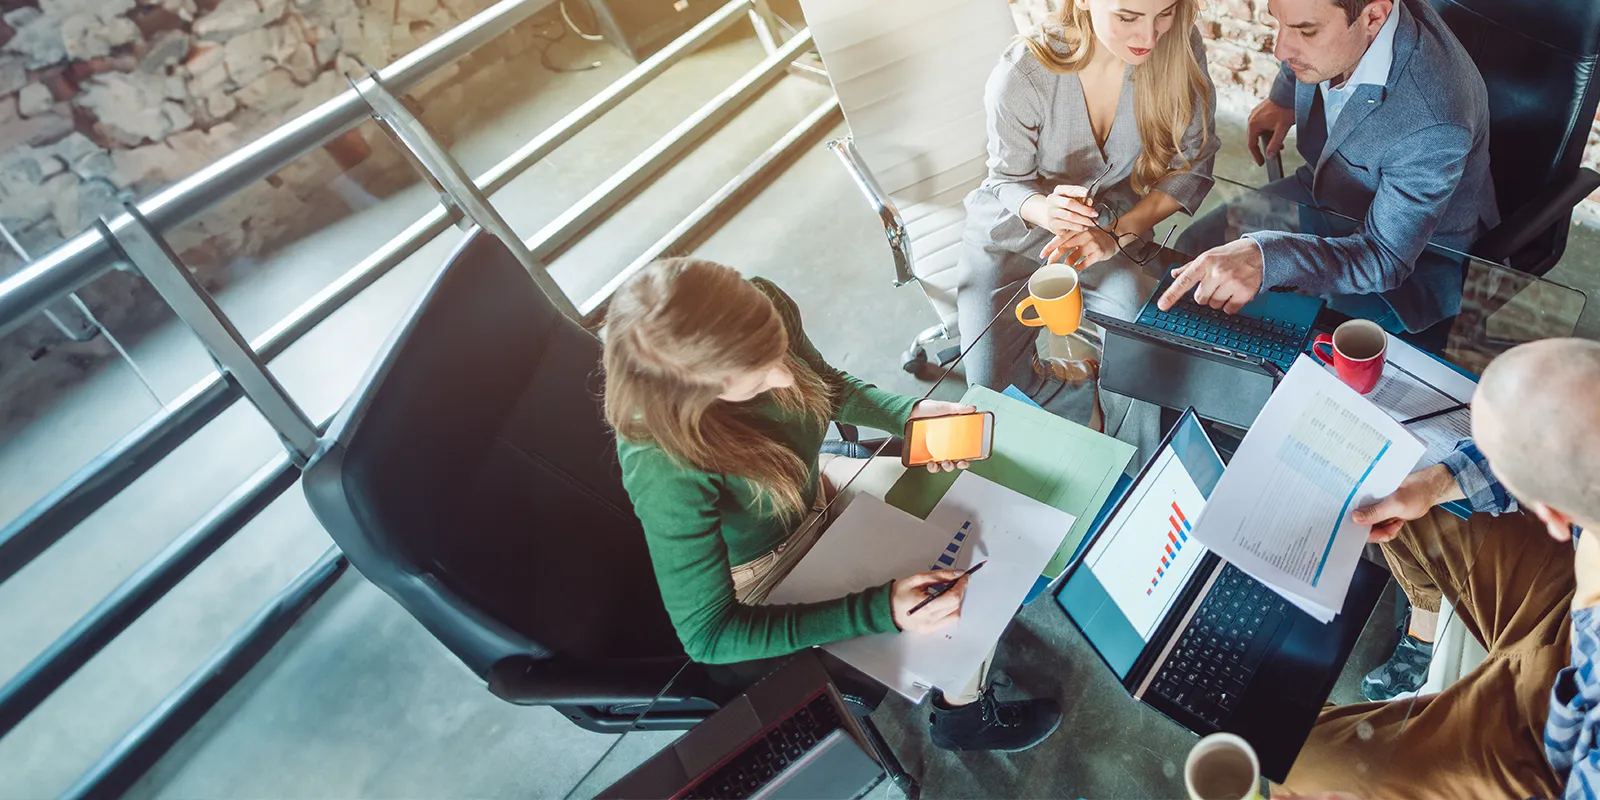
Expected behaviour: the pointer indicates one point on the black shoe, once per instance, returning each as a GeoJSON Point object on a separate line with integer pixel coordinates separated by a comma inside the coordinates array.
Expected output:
{"type": "Point", "coordinates": [1404, 672]}
{"type": "Point", "coordinates": [989, 724]}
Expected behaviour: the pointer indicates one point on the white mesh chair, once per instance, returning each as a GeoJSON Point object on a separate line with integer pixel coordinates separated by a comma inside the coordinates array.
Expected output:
{"type": "Point", "coordinates": [909, 75]}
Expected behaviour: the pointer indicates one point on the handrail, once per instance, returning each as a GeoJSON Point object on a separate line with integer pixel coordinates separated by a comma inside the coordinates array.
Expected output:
{"type": "Point", "coordinates": [87, 255]}
{"type": "Point", "coordinates": [133, 597]}
{"type": "Point", "coordinates": [121, 766]}
{"type": "Point", "coordinates": [50, 518]}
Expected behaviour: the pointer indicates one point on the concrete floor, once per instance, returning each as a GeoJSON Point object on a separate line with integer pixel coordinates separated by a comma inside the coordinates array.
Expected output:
{"type": "Point", "coordinates": [358, 700]}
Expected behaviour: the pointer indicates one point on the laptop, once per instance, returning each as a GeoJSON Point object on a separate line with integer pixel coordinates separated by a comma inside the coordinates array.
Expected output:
{"type": "Point", "coordinates": [1194, 637]}
{"type": "Point", "coordinates": [1224, 366]}
{"type": "Point", "coordinates": [1274, 327]}
{"type": "Point", "coordinates": [788, 737]}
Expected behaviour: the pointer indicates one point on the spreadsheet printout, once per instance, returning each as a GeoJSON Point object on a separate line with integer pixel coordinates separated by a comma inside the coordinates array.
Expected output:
{"type": "Point", "coordinates": [1282, 510]}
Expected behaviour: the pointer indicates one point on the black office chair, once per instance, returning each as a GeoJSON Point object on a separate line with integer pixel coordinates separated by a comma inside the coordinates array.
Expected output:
{"type": "Point", "coordinates": [472, 477]}
{"type": "Point", "coordinates": [1538, 59]}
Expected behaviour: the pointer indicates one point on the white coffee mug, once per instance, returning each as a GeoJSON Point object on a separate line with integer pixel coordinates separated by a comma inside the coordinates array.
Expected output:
{"type": "Point", "coordinates": [1222, 766]}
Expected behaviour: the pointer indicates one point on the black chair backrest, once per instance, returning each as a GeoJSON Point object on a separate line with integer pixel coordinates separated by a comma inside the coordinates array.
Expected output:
{"type": "Point", "coordinates": [471, 475]}
{"type": "Point", "coordinates": [1538, 59]}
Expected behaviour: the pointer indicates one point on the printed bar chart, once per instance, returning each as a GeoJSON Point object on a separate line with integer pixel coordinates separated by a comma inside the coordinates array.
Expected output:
{"type": "Point", "coordinates": [947, 559]}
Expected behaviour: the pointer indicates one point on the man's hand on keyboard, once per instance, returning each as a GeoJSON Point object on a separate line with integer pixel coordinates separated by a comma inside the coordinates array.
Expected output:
{"type": "Point", "coordinates": [1223, 277]}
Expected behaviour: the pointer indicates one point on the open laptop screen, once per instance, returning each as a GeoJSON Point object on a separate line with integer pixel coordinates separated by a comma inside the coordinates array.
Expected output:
{"type": "Point", "coordinates": [1145, 552]}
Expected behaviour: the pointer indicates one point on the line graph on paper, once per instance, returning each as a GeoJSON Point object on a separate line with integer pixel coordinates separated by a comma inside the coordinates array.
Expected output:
{"type": "Point", "coordinates": [1327, 455]}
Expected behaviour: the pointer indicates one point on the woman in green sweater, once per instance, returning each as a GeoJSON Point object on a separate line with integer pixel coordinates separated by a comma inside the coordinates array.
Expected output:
{"type": "Point", "coordinates": [720, 405]}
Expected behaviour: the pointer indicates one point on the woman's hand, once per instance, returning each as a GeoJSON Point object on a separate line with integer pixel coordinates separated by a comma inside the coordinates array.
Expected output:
{"type": "Point", "coordinates": [941, 408]}
{"type": "Point", "coordinates": [1067, 210]}
{"type": "Point", "coordinates": [1082, 249]}
{"type": "Point", "coordinates": [945, 609]}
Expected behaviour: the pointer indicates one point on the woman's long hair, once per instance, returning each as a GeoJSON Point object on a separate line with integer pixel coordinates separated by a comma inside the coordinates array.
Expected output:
{"type": "Point", "coordinates": [1165, 88]}
{"type": "Point", "coordinates": [673, 333]}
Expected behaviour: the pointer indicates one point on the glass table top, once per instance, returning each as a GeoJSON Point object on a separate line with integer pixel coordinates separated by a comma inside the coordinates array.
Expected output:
{"type": "Point", "coordinates": [1109, 744]}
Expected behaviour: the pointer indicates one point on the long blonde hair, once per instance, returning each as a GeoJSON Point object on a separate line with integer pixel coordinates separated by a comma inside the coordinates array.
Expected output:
{"type": "Point", "coordinates": [673, 333]}
{"type": "Point", "coordinates": [1165, 88]}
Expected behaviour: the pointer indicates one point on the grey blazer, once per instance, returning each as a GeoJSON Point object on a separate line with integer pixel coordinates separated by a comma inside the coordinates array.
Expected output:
{"type": "Point", "coordinates": [1039, 137]}
{"type": "Point", "coordinates": [1410, 160]}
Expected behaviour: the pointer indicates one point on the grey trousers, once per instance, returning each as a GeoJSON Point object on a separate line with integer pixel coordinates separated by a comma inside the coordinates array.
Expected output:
{"type": "Point", "coordinates": [1004, 356]}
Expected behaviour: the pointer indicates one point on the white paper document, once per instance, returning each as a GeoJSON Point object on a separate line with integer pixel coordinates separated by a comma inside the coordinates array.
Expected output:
{"type": "Point", "coordinates": [1415, 383]}
{"type": "Point", "coordinates": [872, 542]}
{"type": "Point", "coordinates": [1282, 510]}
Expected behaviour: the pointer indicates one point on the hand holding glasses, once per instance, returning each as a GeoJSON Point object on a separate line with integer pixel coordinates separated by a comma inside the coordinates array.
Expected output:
{"type": "Point", "coordinates": [1091, 239]}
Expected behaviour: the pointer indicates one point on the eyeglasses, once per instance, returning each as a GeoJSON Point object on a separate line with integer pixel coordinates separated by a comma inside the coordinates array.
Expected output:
{"type": "Point", "coordinates": [1140, 250]}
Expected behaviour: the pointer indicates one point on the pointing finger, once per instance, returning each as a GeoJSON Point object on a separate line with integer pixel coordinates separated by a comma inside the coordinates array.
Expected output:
{"type": "Point", "coordinates": [1187, 277]}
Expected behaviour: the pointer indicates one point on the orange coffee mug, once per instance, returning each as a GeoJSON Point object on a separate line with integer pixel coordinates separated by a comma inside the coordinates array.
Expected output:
{"type": "Point", "coordinates": [1056, 300]}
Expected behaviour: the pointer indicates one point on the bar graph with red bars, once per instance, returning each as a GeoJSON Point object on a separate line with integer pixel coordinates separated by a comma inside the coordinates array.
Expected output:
{"type": "Point", "coordinates": [1177, 537]}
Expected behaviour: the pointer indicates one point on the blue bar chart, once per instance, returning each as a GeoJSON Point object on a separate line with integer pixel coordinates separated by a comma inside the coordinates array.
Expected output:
{"type": "Point", "coordinates": [947, 559]}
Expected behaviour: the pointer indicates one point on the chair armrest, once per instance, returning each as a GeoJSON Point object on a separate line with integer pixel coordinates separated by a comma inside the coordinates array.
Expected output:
{"type": "Point", "coordinates": [893, 226]}
{"type": "Point", "coordinates": [1551, 206]}
{"type": "Point", "coordinates": [1274, 163]}
{"type": "Point", "coordinates": [527, 681]}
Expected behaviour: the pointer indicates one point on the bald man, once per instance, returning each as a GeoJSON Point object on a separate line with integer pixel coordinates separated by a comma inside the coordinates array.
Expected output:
{"type": "Point", "coordinates": [1525, 722]}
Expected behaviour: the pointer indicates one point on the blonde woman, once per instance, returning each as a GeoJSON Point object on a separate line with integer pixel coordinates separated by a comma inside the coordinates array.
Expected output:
{"type": "Point", "coordinates": [1101, 126]}
{"type": "Point", "coordinates": [720, 404]}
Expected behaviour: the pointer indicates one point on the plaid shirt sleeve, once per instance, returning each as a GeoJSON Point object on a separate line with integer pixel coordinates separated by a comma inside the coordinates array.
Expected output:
{"type": "Point", "coordinates": [1569, 734]}
{"type": "Point", "coordinates": [1478, 483]}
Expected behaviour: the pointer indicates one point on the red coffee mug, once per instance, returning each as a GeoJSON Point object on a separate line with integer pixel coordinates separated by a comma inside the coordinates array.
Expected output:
{"type": "Point", "coordinates": [1357, 350]}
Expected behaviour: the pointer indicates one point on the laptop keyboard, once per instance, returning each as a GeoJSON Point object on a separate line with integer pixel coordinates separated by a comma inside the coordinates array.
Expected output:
{"type": "Point", "coordinates": [764, 758]}
{"type": "Point", "coordinates": [1208, 669]}
{"type": "Point", "coordinates": [1274, 340]}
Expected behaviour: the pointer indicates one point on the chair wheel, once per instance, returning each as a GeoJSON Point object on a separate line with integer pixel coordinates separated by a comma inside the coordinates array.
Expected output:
{"type": "Point", "coordinates": [914, 360]}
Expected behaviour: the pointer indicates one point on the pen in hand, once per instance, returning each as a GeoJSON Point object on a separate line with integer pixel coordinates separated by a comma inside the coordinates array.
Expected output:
{"type": "Point", "coordinates": [935, 593]}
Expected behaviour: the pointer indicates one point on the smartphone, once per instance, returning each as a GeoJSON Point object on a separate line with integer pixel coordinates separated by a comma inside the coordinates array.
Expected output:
{"type": "Point", "coordinates": [953, 437]}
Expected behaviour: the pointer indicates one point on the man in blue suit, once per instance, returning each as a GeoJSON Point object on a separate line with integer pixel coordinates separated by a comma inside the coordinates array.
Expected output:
{"type": "Point", "coordinates": [1393, 123]}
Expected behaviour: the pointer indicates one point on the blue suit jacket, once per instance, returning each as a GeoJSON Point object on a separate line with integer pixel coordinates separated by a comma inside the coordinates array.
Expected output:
{"type": "Point", "coordinates": [1410, 160]}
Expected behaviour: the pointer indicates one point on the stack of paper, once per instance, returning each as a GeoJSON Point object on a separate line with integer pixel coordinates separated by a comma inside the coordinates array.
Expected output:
{"type": "Point", "coordinates": [1415, 383]}
{"type": "Point", "coordinates": [1282, 510]}
{"type": "Point", "coordinates": [1037, 454]}
{"type": "Point", "coordinates": [873, 542]}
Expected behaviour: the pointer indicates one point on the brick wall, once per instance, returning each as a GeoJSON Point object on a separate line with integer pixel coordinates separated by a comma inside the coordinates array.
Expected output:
{"type": "Point", "coordinates": [1239, 38]}
{"type": "Point", "coordinates": [107, 100]}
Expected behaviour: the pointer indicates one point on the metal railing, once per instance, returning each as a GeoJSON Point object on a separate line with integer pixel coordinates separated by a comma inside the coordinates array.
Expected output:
{"type": "Point", "coordinates": [135, 236]}
{"type": "Point", "coordinates": [86, 256]}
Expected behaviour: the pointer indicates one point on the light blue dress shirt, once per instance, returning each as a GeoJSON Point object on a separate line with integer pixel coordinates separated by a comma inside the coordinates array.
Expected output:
{"type": "Point", "coordinates": [1373, 70]}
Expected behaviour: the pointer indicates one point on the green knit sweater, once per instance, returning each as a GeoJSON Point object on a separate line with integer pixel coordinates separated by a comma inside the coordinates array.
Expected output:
{"type": "Point", "coordinates": [699, 524]}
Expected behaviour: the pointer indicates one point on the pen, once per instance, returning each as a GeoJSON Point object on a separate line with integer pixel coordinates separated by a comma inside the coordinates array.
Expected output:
{"type": "Point", "coordinates": [936, 593]}
{"type": "Point", "coordinates": [1430, 415]}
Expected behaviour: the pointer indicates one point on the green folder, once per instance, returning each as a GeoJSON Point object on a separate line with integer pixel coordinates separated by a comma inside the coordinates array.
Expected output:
{"type": "Point", "coordinates": [1035, 453]}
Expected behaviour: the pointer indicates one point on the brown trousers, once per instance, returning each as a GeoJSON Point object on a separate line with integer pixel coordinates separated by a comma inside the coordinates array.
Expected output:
{"type": "Point", "coordinates": [1511, 585]}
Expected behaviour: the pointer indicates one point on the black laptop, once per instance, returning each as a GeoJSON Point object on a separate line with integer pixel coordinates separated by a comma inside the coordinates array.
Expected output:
{"type": "Point", "coordinates": [1225, 366]}
{"type": "Point", "coordinates": [1192, 636]}
{"type": "Point", "coordinates": [788, 737]}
